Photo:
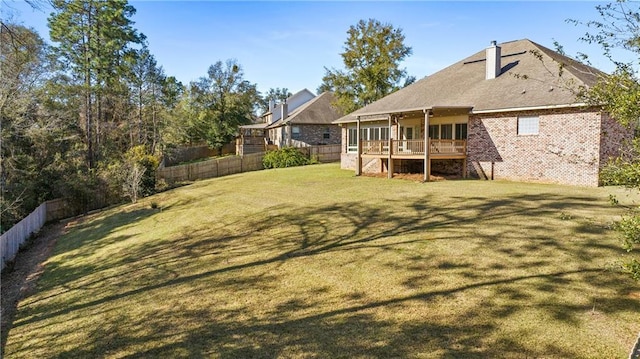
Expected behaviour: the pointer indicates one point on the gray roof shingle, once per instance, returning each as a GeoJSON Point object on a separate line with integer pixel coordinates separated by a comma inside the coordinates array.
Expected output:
{"type": "Point", "coordinates": [318, 111]}
{"type": "Point", "coordinates": [524, 82]}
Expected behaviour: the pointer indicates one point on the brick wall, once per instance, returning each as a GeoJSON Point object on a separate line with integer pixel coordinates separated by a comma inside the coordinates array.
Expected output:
{"type": "Point", "coordinates": [369, 165]}
{"type": "Point", "coordinates": [612, 138]}
{"type": "Point", "coordinates": [571, 147]}
{"type": "Point", "coordinates": [314, 134]}
{"type": "Point", "coordinates": [566, 150]}
{"type": "Point", "coordinates": [348, 161]}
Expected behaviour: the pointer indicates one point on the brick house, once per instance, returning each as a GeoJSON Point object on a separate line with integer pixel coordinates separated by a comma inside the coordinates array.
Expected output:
{"type": "Point", "coordinates": [303, 120]}
{"type": "Point", "coordinates": [502, 113]}
{"type": "Point", "coordinates": [310, 124]}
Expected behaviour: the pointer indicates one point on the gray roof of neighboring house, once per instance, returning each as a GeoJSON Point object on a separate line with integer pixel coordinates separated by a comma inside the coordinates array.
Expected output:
{"type": "Point", "coordinates": [255, 126]}
{"type": "Point", "coordinates": [463, 84]}
{"type": "Point", "coordinates": [290, 99]}
{"type": "Point", "coordinates": [318, 111]}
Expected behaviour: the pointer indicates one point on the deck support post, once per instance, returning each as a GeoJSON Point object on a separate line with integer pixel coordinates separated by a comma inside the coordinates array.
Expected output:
{"type": "Point", "coordinates": [390, 159]}
{"type": "Point", "coordinates": [359, 148]}
{"type": "Point", "coordinates": [427, 147]}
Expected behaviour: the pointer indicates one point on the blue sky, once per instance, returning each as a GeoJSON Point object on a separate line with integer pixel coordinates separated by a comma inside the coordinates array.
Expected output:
{"type": "Point", "coordinates": [288, 44]}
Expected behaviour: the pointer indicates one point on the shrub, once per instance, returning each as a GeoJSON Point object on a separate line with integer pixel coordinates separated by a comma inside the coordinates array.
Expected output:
{"type": "Point", "coordinates": [284, 157]}
{"type": "Point", "coordinates": [147, 164]}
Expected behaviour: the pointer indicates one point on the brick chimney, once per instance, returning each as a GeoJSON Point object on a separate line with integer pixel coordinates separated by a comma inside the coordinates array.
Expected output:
{"type": "Point", "coordinates": [494, 67]}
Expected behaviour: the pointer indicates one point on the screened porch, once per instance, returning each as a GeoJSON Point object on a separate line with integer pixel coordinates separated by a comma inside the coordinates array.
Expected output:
{"type": "Point", "coordinates": [408, 149]}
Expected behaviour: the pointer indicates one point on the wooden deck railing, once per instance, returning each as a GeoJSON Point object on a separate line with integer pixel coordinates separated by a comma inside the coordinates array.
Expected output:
{"type": "Point", "coordinates": [375, 147]}
{"type": "Point", "coordinates": [414, 147]}
{"type": "Point", "coordinates": [448, 147]}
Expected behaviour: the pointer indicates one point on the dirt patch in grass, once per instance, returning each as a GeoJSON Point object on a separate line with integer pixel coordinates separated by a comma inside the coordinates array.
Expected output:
{"type": "Point", "coordinates": [416, 177]}
{"type": "Point", "coordinates": [20, 281]}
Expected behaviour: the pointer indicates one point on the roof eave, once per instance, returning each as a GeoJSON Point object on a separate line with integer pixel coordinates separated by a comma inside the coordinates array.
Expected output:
{"type": "Point", "coordinates": [532, 108]}
{"type": "Point", "coordinates": [382, 115]}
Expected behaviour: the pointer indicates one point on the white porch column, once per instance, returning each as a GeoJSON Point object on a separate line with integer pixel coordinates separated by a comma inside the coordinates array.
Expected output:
{"type": "Point", "coordinates": [427, 147]}
{"type": "Point", "coordinates": [359, 148]}
{"type": "Point", "coordinates": [390, 159]}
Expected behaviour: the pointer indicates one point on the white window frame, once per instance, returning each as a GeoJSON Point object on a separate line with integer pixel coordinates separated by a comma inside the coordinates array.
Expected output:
{"type": "Point", "coordinates": [352, 143]}
{"type": "Point", "coordinates": [295, 132]}
{"type": "Point", "coordinates": [528, 125]}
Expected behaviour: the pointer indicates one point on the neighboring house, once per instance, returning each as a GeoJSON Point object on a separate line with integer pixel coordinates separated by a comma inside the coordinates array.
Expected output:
{"type": "Point", "coordinates": [502, 113]}
{"type": "Point", "coordinates": [302, 120]}
{"type": "Point", "coordinates": [307, 125]}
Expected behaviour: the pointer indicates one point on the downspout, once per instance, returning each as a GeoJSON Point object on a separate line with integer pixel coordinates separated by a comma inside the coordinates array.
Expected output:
{"type": "Point", "coordinates": [358, 148]}
{"type": "Point", "coordinates": [427, 147]}
{"type": "Point", "coordinates": [390, 159]}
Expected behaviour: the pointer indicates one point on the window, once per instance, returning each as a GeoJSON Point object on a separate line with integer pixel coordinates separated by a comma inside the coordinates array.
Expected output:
{"type": "Point", "coordinates": [461, 131]}
{"type": "Point", "coordinates": [446, 132]}
{"type": "Point", "coordinates": [528, 125]}
{"type": "Point", "coordinates": [295, 132]}
{"type": "Point", "coordinates": [327, 133]}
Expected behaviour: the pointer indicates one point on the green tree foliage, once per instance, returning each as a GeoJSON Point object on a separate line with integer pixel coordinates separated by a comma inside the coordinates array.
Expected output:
{"type": "Point", "coordinates": [619, 94]}
{"type": "Point", "coordinates": [140, 172]}
{"type": "Point", "coordinates": [93, 40]}
{"type": "Point", "coordinates": [154, 96]}
{"type": "Point", "coordinates": [278, 95]}
{"type": "Point", "coordinates": [372, 56]}
{"type": "Point", "coordinates": [23, 57]}
{"type": "Point", "coordinates": [220, 102]}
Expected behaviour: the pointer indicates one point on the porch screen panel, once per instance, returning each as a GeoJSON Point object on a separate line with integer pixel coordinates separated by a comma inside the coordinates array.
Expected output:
{"type": "Point", "coordinates": [434, 132]}
{"type": "Point", "coordinates": [408, 133]}
{"type": "Point", "coordinates": [352, 140]}
{"type": "Point", "coordinates": [446, 132]}
{"type": "Point", "coordinates": [375, 133]}
{"type": "Point", "coordinates": [461, 131]}
{"type": "Point", "coordinates": [384, 133]}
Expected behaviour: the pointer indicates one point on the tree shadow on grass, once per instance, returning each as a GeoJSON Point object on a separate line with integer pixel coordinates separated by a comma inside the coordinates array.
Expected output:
{"type": "Point", "coordinates": [305, 327]}
{"type": "Point", "coordinates": [354, 331]}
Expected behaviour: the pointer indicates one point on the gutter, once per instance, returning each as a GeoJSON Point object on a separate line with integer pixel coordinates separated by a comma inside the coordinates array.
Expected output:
{"type": "Point", "coordinates": [532, 108]}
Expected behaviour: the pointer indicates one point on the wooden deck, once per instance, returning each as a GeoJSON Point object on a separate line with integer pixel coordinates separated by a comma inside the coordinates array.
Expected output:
{"type": "Point", "coordinates": [414, 149]}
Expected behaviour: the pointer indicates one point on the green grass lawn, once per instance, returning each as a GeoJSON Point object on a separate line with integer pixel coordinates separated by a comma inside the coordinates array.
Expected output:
{"type": "Point", "coordinates": [313, 262]}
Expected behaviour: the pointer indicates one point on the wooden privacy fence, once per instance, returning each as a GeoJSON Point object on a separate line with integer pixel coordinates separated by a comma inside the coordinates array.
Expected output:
{"type": "Point", "coordinates": [175, 156]}
{"type": "Point", "coordinates": [236, 164]}
{"type": "Point", "coordinates": [212, 168]}
{"type": "Point", "coordinates": [325, 153]}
